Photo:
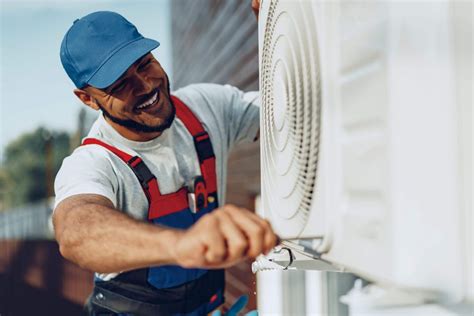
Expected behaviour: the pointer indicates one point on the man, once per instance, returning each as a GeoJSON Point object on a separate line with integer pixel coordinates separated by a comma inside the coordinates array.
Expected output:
{"type": "Point", "coordinates": [141, 201]}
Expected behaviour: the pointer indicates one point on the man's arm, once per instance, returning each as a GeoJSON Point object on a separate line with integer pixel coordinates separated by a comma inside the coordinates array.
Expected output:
{"type": "Point", "coordinates": [93, 234]}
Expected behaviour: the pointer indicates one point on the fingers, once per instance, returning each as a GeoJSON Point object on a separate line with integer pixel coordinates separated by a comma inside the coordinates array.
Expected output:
{"type": "Point", "coordinates": [256, 7]}
{"type": "Point", "coordinates": [225, 243]}
{"type": "Point", "coordinates": [236, 240]}
{"type": "Point", "coordinates": [223, 238]}
{"type": "Point", "coordinates": [254, 232]}
{"type": "Point", "coordinates": [215, 243]}
{"type": "Point", "coordinates": [270, 239]}
{"type": "Point", "coordinates": [255, 4]}
{"type": "Point", "coordinates": [260, 235]}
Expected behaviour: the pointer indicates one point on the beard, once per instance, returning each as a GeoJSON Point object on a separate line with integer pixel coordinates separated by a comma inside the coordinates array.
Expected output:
{"type": "Point", "coordinates": [139, 127]}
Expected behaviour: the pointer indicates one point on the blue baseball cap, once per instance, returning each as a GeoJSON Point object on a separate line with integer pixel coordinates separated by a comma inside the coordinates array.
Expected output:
{"type": "Point", "coordinates": [98, 48]}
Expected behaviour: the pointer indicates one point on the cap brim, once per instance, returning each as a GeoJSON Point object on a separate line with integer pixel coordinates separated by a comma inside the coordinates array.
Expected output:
{"type": "Point", "coordinates": [118, 63]}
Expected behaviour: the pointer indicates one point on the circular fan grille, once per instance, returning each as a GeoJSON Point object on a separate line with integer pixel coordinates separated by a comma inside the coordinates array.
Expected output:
{"type": "Point", "coordinates": [290, 87]}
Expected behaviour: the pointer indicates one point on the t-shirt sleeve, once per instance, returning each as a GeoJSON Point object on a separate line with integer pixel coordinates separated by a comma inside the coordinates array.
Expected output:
{"type": "Point", "coordinates": [86, 171]}
{"type": "Point", "coordinates": [233, 112]}
{"type": "Point", "coordinates": [242, 114]}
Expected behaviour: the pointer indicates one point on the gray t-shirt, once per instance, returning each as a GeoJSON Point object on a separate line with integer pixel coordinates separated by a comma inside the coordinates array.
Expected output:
{"type": "Point", "coordinates": [229, 115]}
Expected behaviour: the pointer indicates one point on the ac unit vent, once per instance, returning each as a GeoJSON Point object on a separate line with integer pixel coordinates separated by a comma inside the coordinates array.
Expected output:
{"type": "Point", "coordinates": [291, 108]}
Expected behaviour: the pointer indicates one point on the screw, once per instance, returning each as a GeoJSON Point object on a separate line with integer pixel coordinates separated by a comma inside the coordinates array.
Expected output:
{"type": "Point", "coordinates": [100, 296]}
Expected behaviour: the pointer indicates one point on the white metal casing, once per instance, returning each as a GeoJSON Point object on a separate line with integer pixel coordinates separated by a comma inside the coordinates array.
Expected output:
{"type": "Point", "coordinates": [386, 200]}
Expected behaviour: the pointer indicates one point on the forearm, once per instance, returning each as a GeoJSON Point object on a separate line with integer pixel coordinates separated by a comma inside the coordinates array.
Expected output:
{"type": "Point", "coordinates": [102, 239]}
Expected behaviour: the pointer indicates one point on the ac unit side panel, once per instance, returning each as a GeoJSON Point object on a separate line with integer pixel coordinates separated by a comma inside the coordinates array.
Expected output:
{"type": "Point", "coordinates": [424, 143]}
{"type": "Point", "coordinates": [362, 230]}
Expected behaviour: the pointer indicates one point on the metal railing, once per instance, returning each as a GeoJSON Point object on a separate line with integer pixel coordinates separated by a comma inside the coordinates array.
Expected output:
{"type": "Point", "coordinates": [31, 221]}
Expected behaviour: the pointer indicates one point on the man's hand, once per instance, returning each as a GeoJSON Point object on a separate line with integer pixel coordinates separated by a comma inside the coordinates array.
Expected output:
{"type": "Point", "coordinates": [256, 7]}
{"type": "Point", "coordinates": [223, 238]}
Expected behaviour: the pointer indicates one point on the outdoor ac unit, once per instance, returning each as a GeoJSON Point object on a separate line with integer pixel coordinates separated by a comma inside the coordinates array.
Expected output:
{"type": "Point", "coordinates": [361, 144]}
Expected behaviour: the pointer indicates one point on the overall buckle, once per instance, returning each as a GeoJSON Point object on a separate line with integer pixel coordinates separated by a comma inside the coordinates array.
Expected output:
{"type": "Point", "coordinates": [197, 194]}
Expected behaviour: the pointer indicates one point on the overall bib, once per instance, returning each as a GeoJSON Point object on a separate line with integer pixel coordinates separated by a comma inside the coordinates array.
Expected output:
{"type": "Point", "coordinates": [167, 290]}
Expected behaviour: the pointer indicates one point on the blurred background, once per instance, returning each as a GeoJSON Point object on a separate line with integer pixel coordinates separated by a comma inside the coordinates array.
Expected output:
{"type": "Point", "coordinates": [41, 122]}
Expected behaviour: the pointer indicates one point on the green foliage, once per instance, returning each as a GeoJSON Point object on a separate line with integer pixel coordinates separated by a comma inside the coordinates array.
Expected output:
{"type": "Point", "coordinates": [30, 165]}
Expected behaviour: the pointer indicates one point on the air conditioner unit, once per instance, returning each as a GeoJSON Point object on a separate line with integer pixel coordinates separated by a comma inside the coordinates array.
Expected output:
{"type": "Point", "coordinates": [362, 148]}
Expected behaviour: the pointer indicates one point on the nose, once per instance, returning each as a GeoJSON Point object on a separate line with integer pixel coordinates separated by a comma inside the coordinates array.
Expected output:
{"type": "Point", "coordinates": [142, 85]}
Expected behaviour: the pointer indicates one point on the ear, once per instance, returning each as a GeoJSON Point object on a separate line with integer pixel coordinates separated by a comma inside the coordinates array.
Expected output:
{"type": "Point", "coordinates": [86, 98]}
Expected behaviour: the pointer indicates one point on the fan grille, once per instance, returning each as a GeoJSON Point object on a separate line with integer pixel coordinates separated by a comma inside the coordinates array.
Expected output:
{"type": "Point", "coordinates": [291, 107]}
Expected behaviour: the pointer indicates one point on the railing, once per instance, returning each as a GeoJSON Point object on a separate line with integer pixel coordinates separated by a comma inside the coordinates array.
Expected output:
{"type": "Point", "coordinates": [27, 222]}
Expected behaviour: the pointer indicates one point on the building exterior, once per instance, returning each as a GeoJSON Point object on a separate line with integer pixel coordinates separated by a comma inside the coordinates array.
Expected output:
{"type": "Point", "coordinates": [216, 42]}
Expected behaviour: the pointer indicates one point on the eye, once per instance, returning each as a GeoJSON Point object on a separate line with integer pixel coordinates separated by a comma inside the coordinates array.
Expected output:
{"type": "Point", "coordinates": [119, 87]}
{"type": "Point", "coordinates": [145, 64]}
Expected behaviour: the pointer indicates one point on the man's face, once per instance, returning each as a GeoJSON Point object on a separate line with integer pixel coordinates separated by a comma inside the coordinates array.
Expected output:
{"type": "Point", "coordinates": [138, 104]}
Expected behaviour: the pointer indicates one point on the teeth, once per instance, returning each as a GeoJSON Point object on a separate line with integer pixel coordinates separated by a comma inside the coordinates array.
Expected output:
{"type": "Point", "coordinates": [149, 102]}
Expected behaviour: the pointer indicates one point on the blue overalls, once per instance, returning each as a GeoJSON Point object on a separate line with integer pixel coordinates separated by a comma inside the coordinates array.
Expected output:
{"type": "Point", "coordinates": [168, 290]}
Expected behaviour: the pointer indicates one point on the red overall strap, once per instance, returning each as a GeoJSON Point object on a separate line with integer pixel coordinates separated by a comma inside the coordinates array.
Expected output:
{"type": "Point", "coordinates": [202, 142]}
{"type": "Point", "coordinates": [122, 155]}
{"type": "Point", "coordinates": [159, 205]}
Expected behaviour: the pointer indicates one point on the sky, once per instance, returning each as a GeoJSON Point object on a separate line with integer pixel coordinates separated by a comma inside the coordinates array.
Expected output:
{"type": "Point", "coordinates": [34, 88]}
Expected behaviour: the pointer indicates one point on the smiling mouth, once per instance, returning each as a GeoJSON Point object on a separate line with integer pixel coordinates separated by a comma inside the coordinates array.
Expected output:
{"type": "Point", "coordinates": [151, 101]}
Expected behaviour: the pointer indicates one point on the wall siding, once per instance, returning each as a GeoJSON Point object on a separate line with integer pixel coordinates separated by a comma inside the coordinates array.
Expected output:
{"type": "Point", "coordinates": [217, 42]}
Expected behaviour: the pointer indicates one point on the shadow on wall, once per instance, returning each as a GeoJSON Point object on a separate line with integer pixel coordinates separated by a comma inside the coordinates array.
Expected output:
{"type": "Point", "coordinates": [36, 280]}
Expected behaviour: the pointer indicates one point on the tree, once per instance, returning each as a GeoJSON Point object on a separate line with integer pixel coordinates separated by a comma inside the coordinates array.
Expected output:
{"type": "Point", "coordinates": [30, 164]}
